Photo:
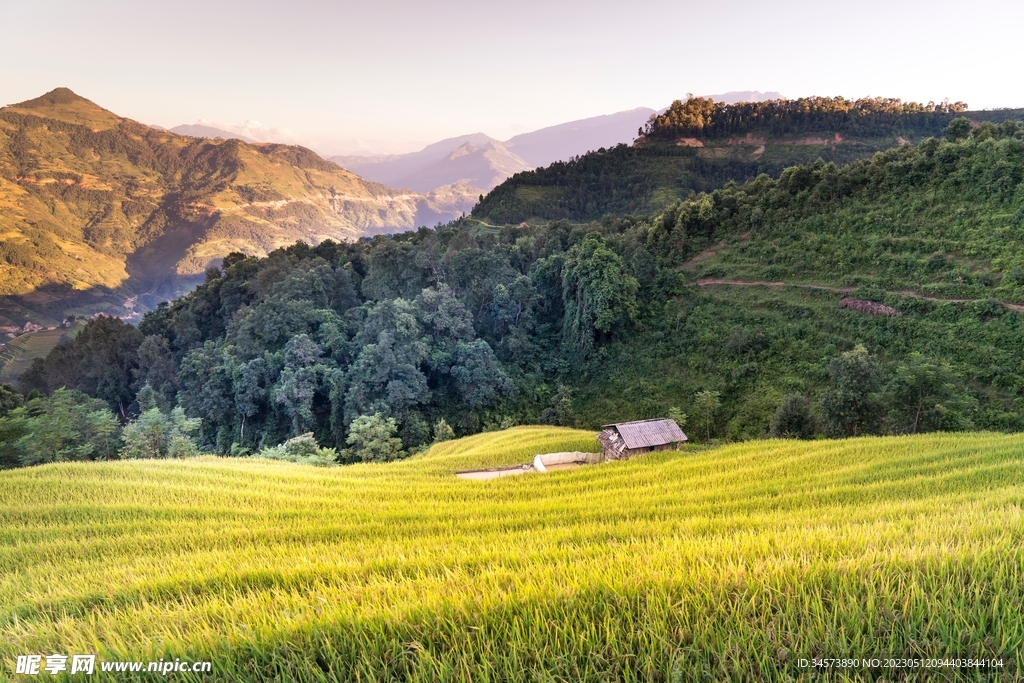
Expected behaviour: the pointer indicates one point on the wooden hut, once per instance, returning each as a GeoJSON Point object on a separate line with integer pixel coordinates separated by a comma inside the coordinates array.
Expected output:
{"type": "Point", "coordinates": [626, 439]}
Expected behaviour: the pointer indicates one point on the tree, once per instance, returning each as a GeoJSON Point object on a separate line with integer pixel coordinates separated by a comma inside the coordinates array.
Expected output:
{"type": "Point", "coordinates": [386, 377]}
{"type": "Point", "coordinates": [100, 361]}
{"type": "Point", "coordinates": [9, 399]}
{"type": "Point", "coordinates": [443, 431]}
{"type": "Point", "coordinates": [443, 316]}
{"type": "Point", "coordinates": [479, 374]}
{"type": "Point", "coordinates": [560, 411]}
{"type": "Point", "coordinates": [373, 438]}
{"type": "Point", "coordinates": [157, 368]}
{"type": "Point", "coordinates": [65, 426]}
{"type": "Point", "coordinates": [299, 382]}
{"type": "Point", "coordinates": [925, 396]}
{"type": "Point", "coordinates": [207, 380]}
{"type": "Point", "coordinates": [851, 405]}
{"type": "Point", "coordinates": [510, 308]}
{"type": "Point", "coordinates": [11, 430]}
{"type": "Point", "coordinates": [707, 402]}
{"type": "Point", "coordinates": [678, 416]}
{"type": "Point", "coordinates": [958, 129]}
{"type": "Point", "coordinates": [252, 392]}
{"type": "Point", "coordinates": [156, 434]}
{"type": "Point", "coordinates": [597, 291]}
{"type": "Point", "coordinates": [793, 419]}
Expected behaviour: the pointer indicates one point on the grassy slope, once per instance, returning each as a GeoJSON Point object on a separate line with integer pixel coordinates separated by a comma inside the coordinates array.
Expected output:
{"type": "Point", "coordinates": [755, 345]}
{"type": "Point", "coordinates": [953, 233]}
{"type": "Point", "coordinates": [729, 563]}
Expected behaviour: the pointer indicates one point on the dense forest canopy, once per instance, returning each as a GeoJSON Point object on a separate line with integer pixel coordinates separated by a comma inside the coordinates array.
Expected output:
{"type": "Point", "coordinates": [468, 327]}
{"type": "Point", "coordinates": [700, 117]}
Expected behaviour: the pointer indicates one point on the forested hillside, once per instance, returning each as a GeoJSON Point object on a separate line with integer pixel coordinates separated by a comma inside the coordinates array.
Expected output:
{"type": "Point", "coordinates": [101, 213]}
{"type": "Point", "coordinates": [699, 145]}
{"type": "Point", "coordinates": [583, 324]}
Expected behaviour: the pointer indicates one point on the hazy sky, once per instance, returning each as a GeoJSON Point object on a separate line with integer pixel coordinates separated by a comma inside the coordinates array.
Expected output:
{"type": "Point", "coordinates": [392, 75]}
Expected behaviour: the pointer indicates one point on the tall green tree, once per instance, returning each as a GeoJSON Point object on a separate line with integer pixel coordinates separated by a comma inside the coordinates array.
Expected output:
{"type": "Point", "coordinates": [9, 399]}
{"type": "Point", "coordinates": [925, 396]}
{"type": "Point", "coordinates": [373, 439]}
{"type": "Point", "coordinates": [598, 293]}
{"type": "Point", "coordinates": [302, 377]}
{"type": "Point", "coordinates": [101, 361]}
{"type": "Point", "coordinates": [386, 377]}
{"type": "Point", "coordinates": [851, 406]}
{"type": "Point", "coordinates": [68, 425]}
{"type": "Point", "coordinates": [207, 379]}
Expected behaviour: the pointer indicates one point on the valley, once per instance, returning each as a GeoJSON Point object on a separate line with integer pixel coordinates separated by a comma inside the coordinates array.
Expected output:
{"type": "Point", "coordinates": [103, 214]}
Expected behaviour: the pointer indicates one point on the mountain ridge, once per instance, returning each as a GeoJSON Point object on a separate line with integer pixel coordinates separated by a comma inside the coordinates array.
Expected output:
{"type": "Point", "coordinates": [479, 165]}
{"type": "Point", "coordinates": [198, 130]}
{"type": "Point", "coordinates": [521, 152]}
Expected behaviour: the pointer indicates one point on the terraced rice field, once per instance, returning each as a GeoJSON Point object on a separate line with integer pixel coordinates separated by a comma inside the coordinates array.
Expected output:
{"type": "Point", "coordinates": [17, 354]}
{"type": "Point", "coordinates": [726, 564]}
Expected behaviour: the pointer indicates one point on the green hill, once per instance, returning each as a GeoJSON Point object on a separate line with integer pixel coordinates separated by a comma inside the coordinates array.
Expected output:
{"type": "Point", "coordinates": [732, 307]}
{"type": "Point", "coordinates": [737, 293]}
{"type": "Point", "coordinates": [727, 564]}
{"type": "Point", "coordinates": [101, 213]}
{"type": "Point", "coordinates": [700, 145]}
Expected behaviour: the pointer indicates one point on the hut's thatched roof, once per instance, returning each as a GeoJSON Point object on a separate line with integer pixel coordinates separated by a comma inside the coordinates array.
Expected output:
{"type": "Point", "coordinates": [645, 433]}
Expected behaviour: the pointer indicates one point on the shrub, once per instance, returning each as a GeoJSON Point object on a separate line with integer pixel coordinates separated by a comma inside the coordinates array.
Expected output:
{"type": "Point", "coordinates": [9, 399]}
{"type": "Point", "coordinates": [793, 419]}
{"type": "Point", "coordinates": [560, 412]}
{"type": "Point", "coordinates": [373, 438]}
{"type": "Point", "coordinates": [155, 434]}
{"type": "Point", "coordinates": [66, 426]}
{"type": "Point", "coordinates": [302, 449]}
{"type": "Point", "coordinates": [443, 431]}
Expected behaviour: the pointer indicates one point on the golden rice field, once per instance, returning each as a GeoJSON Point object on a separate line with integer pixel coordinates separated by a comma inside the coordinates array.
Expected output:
{"type": "Point", "coordinates": [725, 564]}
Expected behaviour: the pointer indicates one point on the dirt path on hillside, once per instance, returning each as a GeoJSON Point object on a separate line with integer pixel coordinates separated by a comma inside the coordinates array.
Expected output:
{"type": "Point", "coordinates": [708, 281]}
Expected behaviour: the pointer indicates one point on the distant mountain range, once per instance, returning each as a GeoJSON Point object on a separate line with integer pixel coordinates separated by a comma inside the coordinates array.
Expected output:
{"type": "Point", "coordinates": [483, 162]}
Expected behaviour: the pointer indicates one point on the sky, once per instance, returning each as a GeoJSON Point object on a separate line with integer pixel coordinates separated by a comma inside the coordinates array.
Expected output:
{"type": "Point", "coordinates": [386, 76]}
